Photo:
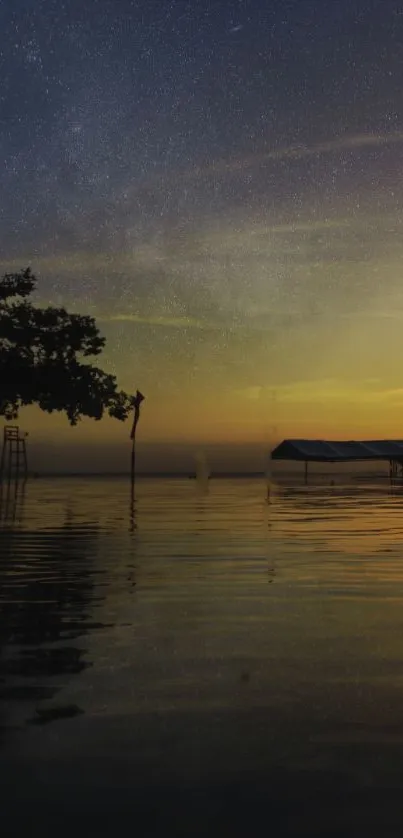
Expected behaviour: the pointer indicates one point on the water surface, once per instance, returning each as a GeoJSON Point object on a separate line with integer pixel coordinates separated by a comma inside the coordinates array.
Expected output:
{"type": "Point", "coordinates": [225, 665]}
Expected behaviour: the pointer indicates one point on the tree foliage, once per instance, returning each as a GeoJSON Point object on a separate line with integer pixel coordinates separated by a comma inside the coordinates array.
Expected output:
{"type": "Point", "coordinates": [42, 354]}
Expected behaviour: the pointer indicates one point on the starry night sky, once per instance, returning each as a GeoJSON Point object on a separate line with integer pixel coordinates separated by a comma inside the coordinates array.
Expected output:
{"type": "Point", "coordinates": [220, 185]}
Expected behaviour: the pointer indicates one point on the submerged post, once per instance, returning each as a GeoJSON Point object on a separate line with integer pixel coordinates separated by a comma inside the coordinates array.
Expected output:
{"type": "Point", "coordinates": [136, 404]}
{"type": "Point", "coordinates": [306, 472]}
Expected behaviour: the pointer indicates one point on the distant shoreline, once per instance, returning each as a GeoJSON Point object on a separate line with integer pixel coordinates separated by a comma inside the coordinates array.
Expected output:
{"type": "Point", "coordinates": [142, 474]}
{"type": "Point", "coordinates": [220, 475]}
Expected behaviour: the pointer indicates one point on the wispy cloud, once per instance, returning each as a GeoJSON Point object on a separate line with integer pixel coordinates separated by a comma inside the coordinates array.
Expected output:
{"type": "Point", "coordinates": [240, 273]}
{"type": "Point", "coordinates": [165, 322]}
{"type": "Point", "coordinates": [324, 391]}
{"type": "Point", "coordinates": [376, 314]}
{"type": "Point", "coordinates": [298, 152]}
{"type": "Point", "coordinates": [253, 393]}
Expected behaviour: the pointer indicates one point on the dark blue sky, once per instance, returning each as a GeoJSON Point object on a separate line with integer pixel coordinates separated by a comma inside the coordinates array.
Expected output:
{"type": "Point", "coordinates": [96, 95]}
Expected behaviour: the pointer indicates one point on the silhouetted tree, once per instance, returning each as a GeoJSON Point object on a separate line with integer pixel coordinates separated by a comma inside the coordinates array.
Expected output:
{"type": "Point", "coordinates": [42, 354]}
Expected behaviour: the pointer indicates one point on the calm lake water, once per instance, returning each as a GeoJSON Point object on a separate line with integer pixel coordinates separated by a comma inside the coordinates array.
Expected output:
{"type": "Point", "coordinates": [229, 666]}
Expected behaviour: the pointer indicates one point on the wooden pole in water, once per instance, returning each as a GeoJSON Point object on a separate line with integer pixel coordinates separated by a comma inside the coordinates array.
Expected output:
{"type": "Point", "coordinates": [136, 404]}
{"type": "Point", "coordinates": [133, 461]}
{"type": "Point", "coordinates": [306, 472]}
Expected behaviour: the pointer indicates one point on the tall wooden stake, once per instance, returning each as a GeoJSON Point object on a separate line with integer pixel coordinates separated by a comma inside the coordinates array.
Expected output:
{"type": "Point", "coordinates": [136, 404]}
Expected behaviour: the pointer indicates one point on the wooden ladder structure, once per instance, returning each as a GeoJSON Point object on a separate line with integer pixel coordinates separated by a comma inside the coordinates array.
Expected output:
{"type": "Point", "coordinates": [13, 461]}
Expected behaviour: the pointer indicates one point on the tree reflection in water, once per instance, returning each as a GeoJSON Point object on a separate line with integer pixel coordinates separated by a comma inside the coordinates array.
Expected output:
{"type": "Point", "coordinates": [46, 600]}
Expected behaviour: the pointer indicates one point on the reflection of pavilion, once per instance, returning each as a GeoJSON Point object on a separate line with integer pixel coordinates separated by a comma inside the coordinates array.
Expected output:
{"type": "Point", "coordinates": [343, 520]}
